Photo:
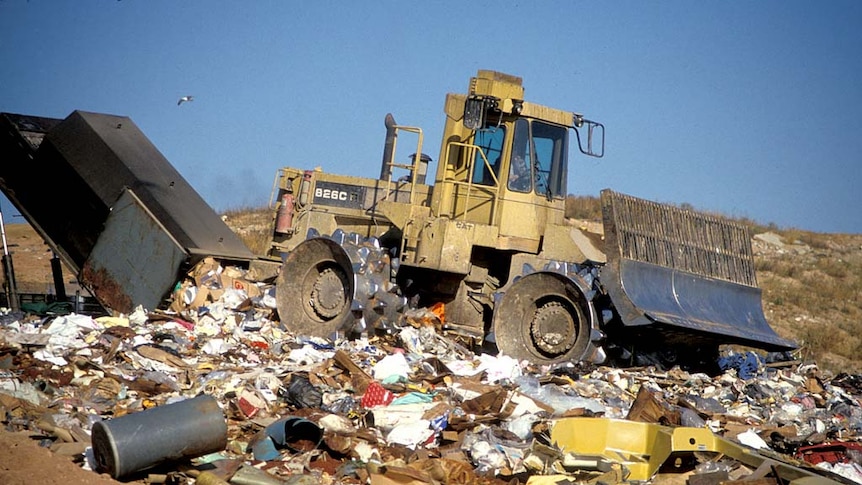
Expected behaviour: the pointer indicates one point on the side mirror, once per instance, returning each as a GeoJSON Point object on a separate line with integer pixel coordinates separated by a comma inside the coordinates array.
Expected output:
{"type": "Point", "coordinates": [474, 113]}
{"type": "Point", "coordinates": [593, 143]}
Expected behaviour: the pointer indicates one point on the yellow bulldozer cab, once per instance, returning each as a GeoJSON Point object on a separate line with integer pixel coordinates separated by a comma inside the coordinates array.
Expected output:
{"type": "Point", "coordinates": [504, 170]}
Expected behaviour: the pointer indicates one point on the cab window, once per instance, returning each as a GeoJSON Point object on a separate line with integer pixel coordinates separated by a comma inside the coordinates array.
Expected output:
{"type": "Point", "coordinates": [539, 158]}
{"type": "Point", "coordinates": [520, 173]}
{"type": "Point", "coordinates": [491, 142]}
{"type": "Point", "coordinates": [550, 149]}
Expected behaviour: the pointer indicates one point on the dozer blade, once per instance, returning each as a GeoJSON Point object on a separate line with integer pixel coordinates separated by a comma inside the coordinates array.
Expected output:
{"type": "Point", "coordinates": [687, 275]}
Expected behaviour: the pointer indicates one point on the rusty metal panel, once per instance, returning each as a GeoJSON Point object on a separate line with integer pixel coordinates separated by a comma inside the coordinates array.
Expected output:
{"type": "Point", "coordinates": [64, 175]}
{"type": "Point", "coordinates": [135, 261]}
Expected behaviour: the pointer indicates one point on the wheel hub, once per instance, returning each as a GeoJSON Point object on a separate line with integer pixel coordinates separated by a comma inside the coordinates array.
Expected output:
{"type": "Point", "coordinates": [553, 330]}
{"type": "Point", "coordinates": [327, 296]}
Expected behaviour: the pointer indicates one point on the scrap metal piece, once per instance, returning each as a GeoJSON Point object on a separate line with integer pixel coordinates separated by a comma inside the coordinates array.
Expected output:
{"type": "Point", "coordinates": [644, 447]}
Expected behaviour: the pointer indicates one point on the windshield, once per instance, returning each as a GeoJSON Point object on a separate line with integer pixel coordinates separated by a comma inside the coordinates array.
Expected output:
{"type": "Point", "coordinates": [545, 146]}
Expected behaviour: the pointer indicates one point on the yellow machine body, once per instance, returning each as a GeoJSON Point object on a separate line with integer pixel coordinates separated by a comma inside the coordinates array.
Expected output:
{"type": "Point", "coordinates": [490, 233]}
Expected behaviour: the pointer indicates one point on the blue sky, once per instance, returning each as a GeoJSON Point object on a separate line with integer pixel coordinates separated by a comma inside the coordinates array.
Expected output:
{"type": "Point", "coordinates": [750, 109]}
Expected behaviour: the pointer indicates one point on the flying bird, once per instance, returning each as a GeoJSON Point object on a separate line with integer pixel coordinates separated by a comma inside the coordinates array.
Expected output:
{"type": "Point", "coordinates": [185, 98]}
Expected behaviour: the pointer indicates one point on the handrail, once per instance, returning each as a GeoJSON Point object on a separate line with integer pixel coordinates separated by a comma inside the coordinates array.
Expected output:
{"type": "Point", "coordinates": [414, 167]}
{"type": "Point", "coordinates": [495, 186]}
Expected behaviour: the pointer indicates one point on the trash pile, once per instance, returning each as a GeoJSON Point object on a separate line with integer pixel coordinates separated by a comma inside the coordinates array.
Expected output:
{"type": "Point", "coordinates": [214, 390]}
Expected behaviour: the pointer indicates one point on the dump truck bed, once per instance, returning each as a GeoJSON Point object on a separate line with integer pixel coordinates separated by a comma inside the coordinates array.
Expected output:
{"type": "Point", "coordinates": [110, 204]}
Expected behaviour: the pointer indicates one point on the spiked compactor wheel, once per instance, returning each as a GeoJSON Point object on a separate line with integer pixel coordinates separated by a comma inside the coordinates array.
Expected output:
{"type": "Point", "coordinates": [337, 284]}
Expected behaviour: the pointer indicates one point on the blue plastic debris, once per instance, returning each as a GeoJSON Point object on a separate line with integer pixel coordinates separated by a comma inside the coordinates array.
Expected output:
{"type": "Point", "coordinates": [747, 364]}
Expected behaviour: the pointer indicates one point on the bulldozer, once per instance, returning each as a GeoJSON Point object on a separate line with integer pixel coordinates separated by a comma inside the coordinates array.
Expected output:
{"type": "Point", "coordinates": [487, 242]}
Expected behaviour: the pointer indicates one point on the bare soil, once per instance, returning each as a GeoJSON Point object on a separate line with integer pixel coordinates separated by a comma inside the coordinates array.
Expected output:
{"type": "Point", "coordinates": [24, 462]}
{"type": "Point", "coordinates": [31, 258]}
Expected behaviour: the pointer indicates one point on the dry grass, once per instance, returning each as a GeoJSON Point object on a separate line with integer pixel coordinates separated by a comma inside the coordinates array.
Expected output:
{"type": "Point", "coordinates": [586, 208]}
{"type": "Point", "coordinates": [253, 225]}
{"type": "Point", "coordinates": [814, 294]}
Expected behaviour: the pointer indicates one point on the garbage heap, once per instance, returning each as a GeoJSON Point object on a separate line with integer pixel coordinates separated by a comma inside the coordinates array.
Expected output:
{"type": "Point", "coordinates": [215, 390]}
